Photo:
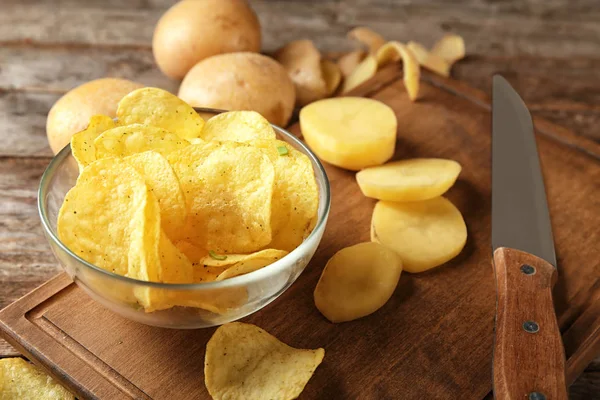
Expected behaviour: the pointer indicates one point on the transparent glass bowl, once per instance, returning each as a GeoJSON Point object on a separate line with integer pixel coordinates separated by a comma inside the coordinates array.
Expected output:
{"type": "Point", "coordinates": [222, 302]}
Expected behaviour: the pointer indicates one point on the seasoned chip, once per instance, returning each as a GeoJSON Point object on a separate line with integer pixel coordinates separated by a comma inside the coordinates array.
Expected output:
{"type": "Point", "coordinates": [206, 273]}
{"type": "Point", "coordinates": [451, 48]}
{"type": "Point", "coordinates": [20, 380]}
{"type": "Point", "coordinates": [349, 61]}
{"type": "Point", "coordinates": [429, 60]}
{"type": "Point", "coordinates": [295, 195]}
{"type": "Point", "coordinates": [194, 253]}
{"type": "Point", "coordinates": [174, 265]}
{"type": "Point", "coordinates": [82, 143]}
{"type": "Point", "coordinates": [228, 189]}
{"type": "Point", "coordinates": [244, 362]}
{"type": "Point", "coordinates": [124, 141]}
{"type": "Point", "coordinates": [252, 263]}
{"type": "Point", "coordinates": [238, 126]}
{"type": "Point", "coordinates": [368, 37]}
{"type": "Point", "coordinates": [362, 73]}
{"type": "Point", "coordinates": [157, 107]}
{"type": "Point", "coordinates": [227, 260]}
{"type": "Point", "coordinates": [332, 75]}
{"type": "Point", "coordinates": [163, 183]}
{"type": "Point", "coordinates": [393, 51]}
{"type": "Point", "coordinates": [99, 214]}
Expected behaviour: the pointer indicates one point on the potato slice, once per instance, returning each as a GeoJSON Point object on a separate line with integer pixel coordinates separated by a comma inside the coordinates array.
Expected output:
{"type": "Point", "coordinates": [425, 234]}
{"type": "Point", "coordinates": [350, 132]}
{"type": "Point", "coordinates": [409, 180]}
{"type": "Point", "coordinates": [349, 61]}
{"type": "Point", "coordinates": [302, 61]}
{"type": "Point", "coordinates": [368, 37]}
{"type": "Point", "coordinates": [362, 73]}
{"type": "Point", "coordinates": [450, 48]}
{"type": "Point", "coordinates": [429, 60]}
{"type": "Point", "coordinates": [393, 51]}
{"type": "Point", "coordinates": [357, 281]}
{"type": "Point", "coordinates": [332, 75]}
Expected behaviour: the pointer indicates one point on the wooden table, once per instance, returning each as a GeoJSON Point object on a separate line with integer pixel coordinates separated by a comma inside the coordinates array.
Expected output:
{"type": "Point", "coordinates": [547, 49]}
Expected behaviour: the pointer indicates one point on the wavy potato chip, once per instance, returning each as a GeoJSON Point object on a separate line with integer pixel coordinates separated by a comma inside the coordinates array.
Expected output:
{"type": "Point", "coordinates": [238, 126]}
{"type": "Point", "coordinates": [362, 73]}
{"type": "Point", "coordinates": [295, 194]}
{"type": "Point", "coordinates": [194, 253]}
{"type": "Point", "coordinates": [368, 37]}
{"type": "Point", "coordinates": [228, 189]}
{"type": "Point", "coordinates": [157, 107]}
{"type": "Point", "coordinates": [451, 48]}
{"type": "Point", "coordinates": [95, 219]}
{"type": "Point", "coordinates": [20, 380]}
{"type": "Point", "coordinates": [393, 51]}
{"type": "Point", "coordinates": [332, 75]}
{"type": "Point", "coordinates": [206, 273]}
{"type": "Point", "coordinates": [429, 60]}
{"type": "Point", "coordinates": [163, 183]}
{"type": "Point", "coordinates": [252, 263]}
{"type": "Point", "coordinates": [82, 143]}
{"type": "Point", "coordinates": [244, 362]}
{"type": "Point", "coordinates": [349, 61]}
{"type": "Point", "coordinates": [124, 141]}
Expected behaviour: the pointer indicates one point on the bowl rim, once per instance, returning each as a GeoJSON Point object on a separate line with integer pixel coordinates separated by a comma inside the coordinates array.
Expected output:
{"type": "Point", "coordinates": [250, 277]}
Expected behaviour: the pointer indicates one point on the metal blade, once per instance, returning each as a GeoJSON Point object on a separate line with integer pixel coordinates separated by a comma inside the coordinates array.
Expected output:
{"type": "Point", "coordinates": [520, 217]}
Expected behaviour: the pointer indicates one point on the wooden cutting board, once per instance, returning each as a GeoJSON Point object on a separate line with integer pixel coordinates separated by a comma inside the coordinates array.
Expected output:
{"type": "Point", "coordinates": [432, 340]}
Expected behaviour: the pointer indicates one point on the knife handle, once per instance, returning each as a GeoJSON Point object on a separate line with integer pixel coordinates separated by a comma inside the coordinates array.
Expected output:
{"type": "Point", "coordinates": [529, 356]}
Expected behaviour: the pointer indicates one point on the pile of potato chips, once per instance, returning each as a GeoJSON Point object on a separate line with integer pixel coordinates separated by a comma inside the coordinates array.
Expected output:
{"type": "Point", "coordinates": [164, 196]}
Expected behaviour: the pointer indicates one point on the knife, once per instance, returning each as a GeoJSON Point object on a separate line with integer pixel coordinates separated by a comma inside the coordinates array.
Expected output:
{"type": "Point", "coordinates": [529, 356]}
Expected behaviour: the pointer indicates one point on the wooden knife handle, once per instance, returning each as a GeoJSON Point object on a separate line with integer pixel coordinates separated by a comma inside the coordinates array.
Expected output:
{"type": "Point", "coordinates": [529, 356]}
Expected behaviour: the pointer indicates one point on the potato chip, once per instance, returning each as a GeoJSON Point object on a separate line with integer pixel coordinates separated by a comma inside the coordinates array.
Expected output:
{"type": "Point", "coordinates": [20, 380]}
{"type": "Point", "coordinates": [349, 61]}
{"type": "Point", "coordinates": [174, 265]}
{"type": "Point", "coordinates": [238, 126]}
{"type": "Point", "coordinates": [194, 253]}
{"type": "Point", "coordinates": [362, 73]}
{"type": "Point", "coordinates": [295, 194]}
{"type": "Point", "coordinates": [163, 183]}
{"type": "Point", "coordinates": [357, 281]}
{"type": "Point", "coordinates": [157, 107]}
{"type": "Point", "coordinates": [124, 141]}
{"type": "Point", "coordinates": [206, 273]}
{"type": "Point", "coordinates": [99, 214]}
{"type": "Point", "coordinates": [429, 60]}
{"type": "Point", "coordinates": [218, 301]}
{"type": "Point", "coordinates": [302, 61]}
{"type": "Point", "coordinates": [368, 37]}
{"type": "Point", "coordinates": [244, 362]}
{"type": "Point", "coordinates": [451, 48]}
{"type": "Point", "coordinates": [228, 189]}
{"type": "Point", "coordinates": [332, 75]}
{"type": "Point", "coordinates": [82, 143]}
{"type": "Point", "coordinates": [252, 263]}
{"type": "Point", "coordinates": [393, 51]}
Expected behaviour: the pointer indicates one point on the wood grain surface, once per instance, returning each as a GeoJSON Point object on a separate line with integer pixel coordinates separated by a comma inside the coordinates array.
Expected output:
{"type": "Point", "coordinates": [548, 50]}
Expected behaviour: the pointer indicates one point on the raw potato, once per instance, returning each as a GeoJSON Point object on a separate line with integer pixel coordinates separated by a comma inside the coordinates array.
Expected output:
{"type": "Point", "coordinates": [72, 112]}
{"type": "Point", "coordinates": [357, 281]}
{"type": "Point", "coordinates": [393, 51]}
{"type": "Point", "coordinates": [368, 37]}
{"type": "Point", "coordinates": [451, 48]}
{"type": "Point", "coordinates": [191, 31]}
{"type": "Point", "coordinates": [350, 132]}
{"type": "Point", "coordinates": [302, 61]}
{"type": "Point", "coordinates": [409, 180]}
{"type": "Point", "coordinates": [241, 81]}
{"type": "Point", "coordinates": [425, 234]}
{"type": "Point", "coordinates": [349, 61]}
{"type": "Point", "coordinates": [362, 73]}
{"type": "Point", "coordinates": [244, 362]}
{"type": "Point", "coordinates": [332, 75]}
{"type": "Point", "coordinates": [429, 60]}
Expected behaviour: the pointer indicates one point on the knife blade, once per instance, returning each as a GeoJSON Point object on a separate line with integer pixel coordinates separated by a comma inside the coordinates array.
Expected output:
{"type": "Point", "coordinates": [529, 359]}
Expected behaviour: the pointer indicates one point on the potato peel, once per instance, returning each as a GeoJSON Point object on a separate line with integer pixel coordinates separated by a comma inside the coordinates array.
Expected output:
{"type": "Point", "coordinates": [349, 61]}
{"type": "Point", "coordinates": [451, 48]}
{"type": "Point", "coordinates": [429, 60]}
{"type": "Point", "coordinates": [368, 37]}
{"type": "Point", "coordinates": [362, 73]}
{"type": "Point", "coordinates": [332, 75]}
{"type": "Point", "coordinates": [393, 51]}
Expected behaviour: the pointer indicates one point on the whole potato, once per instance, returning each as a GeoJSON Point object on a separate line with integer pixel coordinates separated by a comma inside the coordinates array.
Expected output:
{"type": "Point", "coordinates": [72, 112]}
{"type": "Point", "coordinates": [193, 30]}
{"type": "Point", "coordinates": [241, 81]}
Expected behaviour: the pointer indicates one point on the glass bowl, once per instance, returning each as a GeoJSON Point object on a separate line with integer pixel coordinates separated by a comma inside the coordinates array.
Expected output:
{"type": "Point", "coordinates": [215, 303]}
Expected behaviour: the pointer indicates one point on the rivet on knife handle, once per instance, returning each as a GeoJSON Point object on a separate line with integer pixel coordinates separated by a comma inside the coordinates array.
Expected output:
{"type": "Point", "coordinates": [529, 358]}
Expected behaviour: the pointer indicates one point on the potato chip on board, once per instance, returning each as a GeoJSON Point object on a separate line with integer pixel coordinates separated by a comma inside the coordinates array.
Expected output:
{"type": "Point", "coordinates": [362, 73]}
{"type": "Point", "coordinates": [82, 143]}
{"type": "Point", "coordinates": [238, 126]}
{"type": "Point", "coordinates": [20, 380]}
{"type": "Point", "coordinates": [451, 48]}
{"type": "Point", "coordinates": [244, 362]}
{"type": "Point", "coordinates": [393, 51]}
{"type": "Point", "coordinates": [295, 194]}
{"type": "Point", "coordinates": [429, 60]}
{"type": "Point", "coordinates": [228, 189]}
{"type": "Point", "coordinates": [368, 37]}
{"type": "Point", "coordinates": [164, 184]}
{"type": "Point", "coordinates": [157, 107]}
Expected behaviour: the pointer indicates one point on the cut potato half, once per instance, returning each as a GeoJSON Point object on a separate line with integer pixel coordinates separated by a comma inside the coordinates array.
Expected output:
{"type": "Point", "coordinates": [409, 180]}
{"type": "Point", "coordinates": [350, 132]}
{"type": "Point", "coordinates": [424, 234]}
{"type": "Point", "coordinates": [357, 281]}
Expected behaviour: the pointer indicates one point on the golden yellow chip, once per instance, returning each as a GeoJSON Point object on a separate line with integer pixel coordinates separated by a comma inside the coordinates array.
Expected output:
{"type": "Point", "coordinates": [194, 253]}
{"type": "Point", "coordinates": [97, 220]}
{"type": "Point", "coordinates": [245, 362]}
{"type": "Point", "coordinates": [429, 60]}
{"type": "Point", "coordinates": [157, 107]}
{"type": "Point", "coordinates": [163, 183]}
{"type": "Point", "coordinates": [393, 51]}
{"type": "Point", "coordinates": [20, 380]}
{"type": "Point", "coordinates": [206, 273]}
{"type": "Point", "coordinates": [238, 126]}
{"type": "Point", "coordinates": [175, 267]}
{"type": "Point", "coordinates": [228, 189]}
{"type": "Point", "coordinates": [124, 141]}
{"type": "Point", "coordinates": [82, 143]}
{"type": "Point", "coordinates": [451, 48]}
{"type": "Point", "coordinates": [368, 37]}
{"type": "Point", "coordinates": [362, 73]}
{"type": "Point", "coordinates": [295, 195]}
{"type": "Point", "coordinates": [252, 263]}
